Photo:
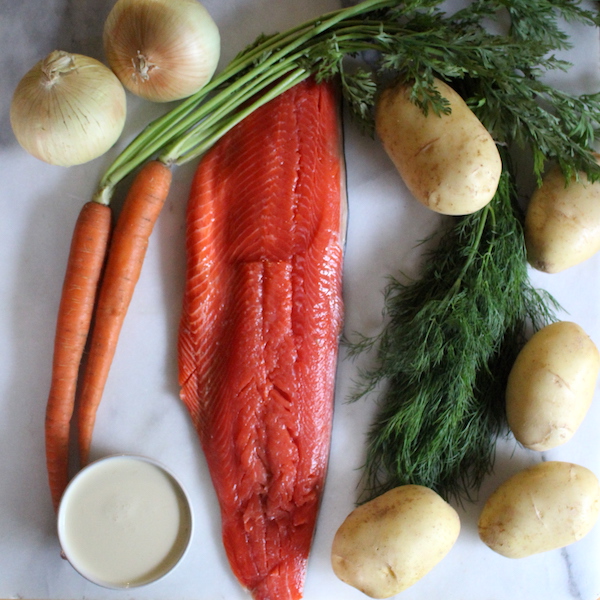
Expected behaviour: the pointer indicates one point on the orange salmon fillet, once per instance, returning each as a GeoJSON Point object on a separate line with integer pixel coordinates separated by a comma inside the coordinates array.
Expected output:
{"type": "Point", "coordinates": [262, 314]}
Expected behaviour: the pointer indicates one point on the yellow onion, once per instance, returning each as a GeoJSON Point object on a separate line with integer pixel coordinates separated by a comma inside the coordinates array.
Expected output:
{"type": "Point", "coordinates": [162, 50]}
{"type": "Point", "coordinates": [68, 109]}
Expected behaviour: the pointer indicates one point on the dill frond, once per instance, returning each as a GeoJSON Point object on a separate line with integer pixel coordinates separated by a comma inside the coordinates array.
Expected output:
{"type": "Point", "coordinates": [445, 353]}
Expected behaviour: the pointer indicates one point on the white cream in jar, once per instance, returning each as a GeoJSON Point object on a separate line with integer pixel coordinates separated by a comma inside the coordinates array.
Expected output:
{"type": "Point", "coordinates": [124, 521]}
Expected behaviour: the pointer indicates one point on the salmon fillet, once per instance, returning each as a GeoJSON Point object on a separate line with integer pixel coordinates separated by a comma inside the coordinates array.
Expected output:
{"type": "Point", "coordinates": [261, 319]}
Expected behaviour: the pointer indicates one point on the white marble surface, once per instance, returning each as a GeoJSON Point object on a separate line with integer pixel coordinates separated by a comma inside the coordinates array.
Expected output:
{"type": "Point", "coordinates": [141, 412]}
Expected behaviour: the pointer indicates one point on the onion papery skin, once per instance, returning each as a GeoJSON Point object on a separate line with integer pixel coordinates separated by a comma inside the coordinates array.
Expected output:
{"type": "Point", "coordinates": [162, 50]}
{"type": "Point", "coordinates": [68, 109]}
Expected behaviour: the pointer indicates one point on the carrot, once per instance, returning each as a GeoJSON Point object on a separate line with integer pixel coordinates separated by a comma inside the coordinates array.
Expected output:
{"type": "Point", "coordinates": [140, 211]}
{"type": "Point", "coordinates": [84, 266]}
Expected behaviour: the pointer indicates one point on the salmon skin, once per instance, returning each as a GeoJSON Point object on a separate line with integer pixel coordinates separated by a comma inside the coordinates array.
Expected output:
{"type": "Point", "coordinates": [260, 326]}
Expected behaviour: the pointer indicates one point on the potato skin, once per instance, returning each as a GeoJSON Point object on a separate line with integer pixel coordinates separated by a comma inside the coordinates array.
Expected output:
{"type": "Point", "coordinates": [450, 163]}
{"type": "Point", "coordinates": [551, 385]}
{"type": "Point", "coordinates": [389, 543]}
{"type": "Point", "coordinates": [562, 223]}
{"type": "Point", "coordinates": [545, 507]}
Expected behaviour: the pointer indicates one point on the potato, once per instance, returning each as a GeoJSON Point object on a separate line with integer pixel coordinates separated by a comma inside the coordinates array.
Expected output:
{"type": "Point", "coordinates": [389, 543]}
{"type": "Point", "coordinates": [551, 385]}
{"type": "Point", "coordinates": [545, 507]}
{"type": "Point", "coordinates": [562, 223]}
{"type": "Point", "coordinates": [450, 162]}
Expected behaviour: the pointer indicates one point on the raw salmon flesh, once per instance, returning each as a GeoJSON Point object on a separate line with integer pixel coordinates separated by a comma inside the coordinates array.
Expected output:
{"type": "Point", "coordinates": [262, 314]}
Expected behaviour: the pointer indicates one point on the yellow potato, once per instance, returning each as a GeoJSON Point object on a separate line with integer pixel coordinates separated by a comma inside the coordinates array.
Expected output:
{"type": "Point", "coordinates": [450, 162]}
{"type": "Point", "coordinates": [389, 543]}
{"type": "Point", "coordinates": [551, 385]}
{"type": "Point", "coordinates": [562, 223]}
{"type": "Point", "coordinates": [548, 506]}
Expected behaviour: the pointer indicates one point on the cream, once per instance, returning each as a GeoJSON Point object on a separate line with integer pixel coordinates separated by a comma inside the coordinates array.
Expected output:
{"type": "Point", "coordinates": [124, 522]}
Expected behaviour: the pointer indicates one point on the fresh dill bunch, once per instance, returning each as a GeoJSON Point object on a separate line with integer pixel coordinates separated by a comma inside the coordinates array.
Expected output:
{"type": "Point", "coordinates": [450, 339]}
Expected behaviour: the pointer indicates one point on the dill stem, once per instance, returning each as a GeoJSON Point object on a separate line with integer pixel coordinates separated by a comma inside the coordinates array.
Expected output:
{"type": "Point", "coordinates": [484, 214]}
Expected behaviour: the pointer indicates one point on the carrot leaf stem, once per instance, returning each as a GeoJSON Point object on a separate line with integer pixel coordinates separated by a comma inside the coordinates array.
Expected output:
{"type": "Point", "coordinates": [268, 54]}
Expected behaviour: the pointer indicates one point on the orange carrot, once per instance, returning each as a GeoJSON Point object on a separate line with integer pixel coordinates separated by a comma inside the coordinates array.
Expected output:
{"type": "Point", "coordinates": [140, 211]}
{"type": "Point", "coordinates": [84, 266]}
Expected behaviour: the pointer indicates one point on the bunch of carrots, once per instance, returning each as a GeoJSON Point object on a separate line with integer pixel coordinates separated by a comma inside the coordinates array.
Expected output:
{"type": "Point", "coordinates": [103, 268]}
